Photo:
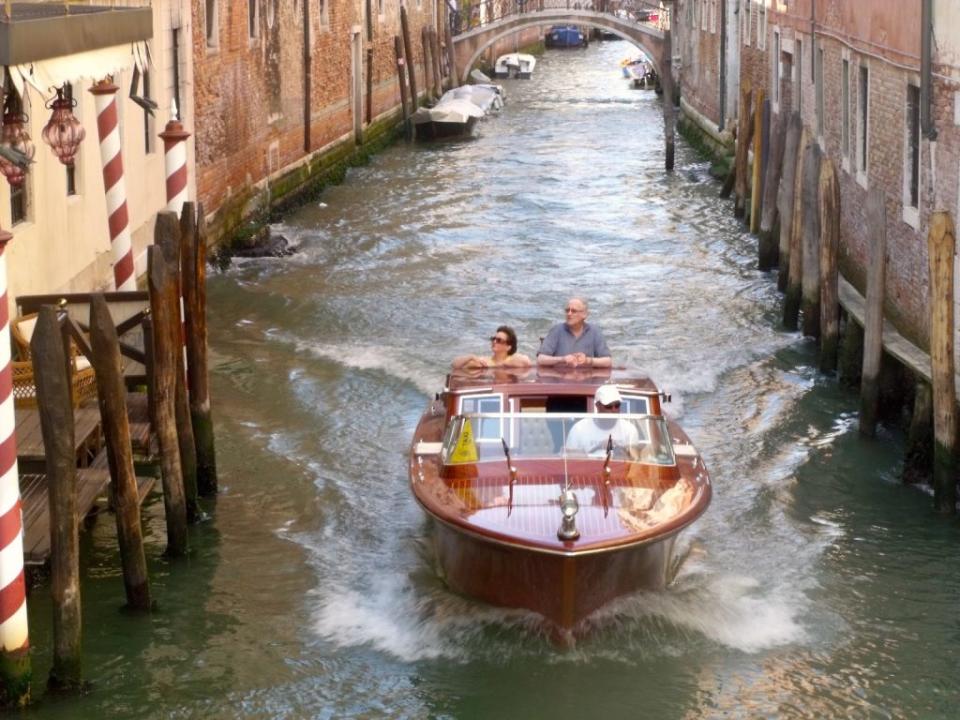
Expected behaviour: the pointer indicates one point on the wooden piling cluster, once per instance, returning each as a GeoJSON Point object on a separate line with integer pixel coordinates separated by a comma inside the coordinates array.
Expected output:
{"type": "Point", "coordinates": [434, 48]}
{"type": "Point", "coordinates": [178, 393]}
{"type": "Point", "coordinates": [790, 195]}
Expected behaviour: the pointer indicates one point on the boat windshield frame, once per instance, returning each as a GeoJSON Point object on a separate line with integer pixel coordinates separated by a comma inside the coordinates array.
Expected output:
{"type": "Point", "coordinates": [545, 436]}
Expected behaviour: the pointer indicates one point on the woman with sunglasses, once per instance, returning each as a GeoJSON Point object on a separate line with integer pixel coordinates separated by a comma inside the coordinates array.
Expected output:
{"type": "Point", "coordinates": [503, 347]}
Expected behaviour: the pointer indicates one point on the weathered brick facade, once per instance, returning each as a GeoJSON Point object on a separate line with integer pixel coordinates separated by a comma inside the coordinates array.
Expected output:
{"type": "Point", "coordinates": [824, 47]}
{"type": "Point", "coordinates": [250, 82]}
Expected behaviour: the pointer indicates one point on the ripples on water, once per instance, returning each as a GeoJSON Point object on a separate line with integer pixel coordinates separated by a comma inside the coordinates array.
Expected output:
{"type": "Point", "coordinates": [815, 586]}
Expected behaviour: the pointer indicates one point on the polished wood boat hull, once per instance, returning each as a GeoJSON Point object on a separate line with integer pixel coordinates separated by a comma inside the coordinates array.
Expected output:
{"type": "Point", "coordinates": [496, 515]}
{"type": "Point", "coordinates": [565, 589]}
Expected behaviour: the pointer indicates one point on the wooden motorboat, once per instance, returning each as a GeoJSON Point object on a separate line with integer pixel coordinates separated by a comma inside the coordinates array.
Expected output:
{"type": "Point", "coordinates": [524, 519]}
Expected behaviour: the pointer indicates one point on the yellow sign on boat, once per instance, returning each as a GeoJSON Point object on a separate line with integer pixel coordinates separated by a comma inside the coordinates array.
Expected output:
{"type": "Point", "coordinates": [466, 449]}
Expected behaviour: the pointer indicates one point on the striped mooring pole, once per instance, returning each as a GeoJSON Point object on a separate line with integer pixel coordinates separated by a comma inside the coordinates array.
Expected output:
{"type": "Point", "coordinates": [175, 161]}
{"type": "Point", "coordinates": [115, 188]}
{"type": "Point", "coordinates": [14, 637]}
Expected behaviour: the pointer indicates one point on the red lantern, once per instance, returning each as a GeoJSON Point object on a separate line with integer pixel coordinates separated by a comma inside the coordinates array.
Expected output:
{"type": "Point", "coordinates": [14, 136]}
{"type": "Point", "coordinates": [63, 133]}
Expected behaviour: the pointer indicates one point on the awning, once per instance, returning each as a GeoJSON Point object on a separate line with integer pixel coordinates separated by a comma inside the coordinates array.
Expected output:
{"type": "Point", "coordinates": [92, 65]}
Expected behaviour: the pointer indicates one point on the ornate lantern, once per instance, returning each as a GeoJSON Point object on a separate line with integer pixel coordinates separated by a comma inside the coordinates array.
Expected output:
{"type": "Point", "coordinates": [15, 139]}
{"type": "Point", "coordinates": [63, 133]}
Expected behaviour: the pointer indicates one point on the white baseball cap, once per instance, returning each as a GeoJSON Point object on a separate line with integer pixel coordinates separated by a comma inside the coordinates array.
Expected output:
{"type": "Point", "coordinates": [607, 395]}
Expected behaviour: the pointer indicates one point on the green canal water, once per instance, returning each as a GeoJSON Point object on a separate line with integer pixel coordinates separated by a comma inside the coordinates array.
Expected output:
{"type": "Point", "coordinates": [815, 586]}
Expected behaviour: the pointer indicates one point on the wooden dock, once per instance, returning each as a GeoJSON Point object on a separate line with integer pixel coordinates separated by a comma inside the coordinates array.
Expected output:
{"type": "Point", "coordinates": [93, 473]}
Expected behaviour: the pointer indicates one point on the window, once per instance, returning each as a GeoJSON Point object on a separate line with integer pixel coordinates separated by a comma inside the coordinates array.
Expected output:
{"type": "Point", "coordinates": [819, 89]}
{"type": "Point", "coordinates": [747, 25]}
{"type": "Point", "coordinates": [489, 427]}
{"type": "Point", "coordinates": [762, 26]}
{"type": "Point", "coordinates": [798, 60]}
{"type": "Point", "coordinates": [911, 195]}
{"type": "Point", "coordinates": [634, 404]}
{"type": "Point", "coordinates": [863, 119]}
{"type": "Point", "coordinates": [253, 18]}
{"type": "Point", "coordinates": [704, 13]}
{"type": "Point", "coordinates": [18, 202]}
{"type": "Point", "coordinates": [776, 70]}
{"type": "Point", "coordinates": [212, 19]}
{"type": "Point", "coordinates": [845, 109]}
{"type": "Point", "coordinates": [324, 17]}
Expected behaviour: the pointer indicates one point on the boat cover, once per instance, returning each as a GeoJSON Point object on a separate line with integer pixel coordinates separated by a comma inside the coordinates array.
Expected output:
{"type": "Point", "coordinates": [448, 110]}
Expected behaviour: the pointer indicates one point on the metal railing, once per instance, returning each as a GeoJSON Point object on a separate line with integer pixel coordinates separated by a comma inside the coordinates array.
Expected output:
{"type": "Point", "coordinates": [471, 14]}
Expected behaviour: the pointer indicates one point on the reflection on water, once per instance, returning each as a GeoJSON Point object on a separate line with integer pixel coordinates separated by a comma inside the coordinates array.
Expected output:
{"type": "Point", "coordinates": [815, 586]}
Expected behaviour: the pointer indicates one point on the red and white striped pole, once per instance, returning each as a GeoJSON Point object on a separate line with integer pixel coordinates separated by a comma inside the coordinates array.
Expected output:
{"type": "Point", "coordinates": [175, 161]}
{"type": "Point", "coordinates": [14, 638]}
{"type": "Point", "coordinates": [111, 157]}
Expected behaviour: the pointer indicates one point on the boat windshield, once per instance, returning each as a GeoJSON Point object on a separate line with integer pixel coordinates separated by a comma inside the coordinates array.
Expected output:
{"type": "Point", "coordinates": [479, 437]}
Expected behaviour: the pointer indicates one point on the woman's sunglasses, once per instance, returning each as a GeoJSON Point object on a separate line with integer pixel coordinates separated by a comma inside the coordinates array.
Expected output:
{"type": "Point", "coordinates": [499, 340]}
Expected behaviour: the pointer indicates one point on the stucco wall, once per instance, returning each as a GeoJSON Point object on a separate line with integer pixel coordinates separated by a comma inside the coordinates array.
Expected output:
{"type": "Point", "coordinates": [64, 244]}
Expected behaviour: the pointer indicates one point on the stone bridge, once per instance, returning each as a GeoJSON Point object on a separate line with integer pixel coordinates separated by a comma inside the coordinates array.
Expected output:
{"type": "Point", "coordinates": [640, 22]}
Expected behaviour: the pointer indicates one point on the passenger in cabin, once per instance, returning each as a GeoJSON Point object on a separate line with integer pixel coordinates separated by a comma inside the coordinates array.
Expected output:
{"type": "Point", "coordinates": [503, 345]}
{"type": "Point", "coordinates": [590, 436]}
{"type": "Point", "coordinates": [575, 343]}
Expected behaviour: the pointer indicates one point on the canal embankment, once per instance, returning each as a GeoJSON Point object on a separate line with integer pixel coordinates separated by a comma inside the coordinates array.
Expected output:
{"type": "Point", "coordinates": [896, 388]}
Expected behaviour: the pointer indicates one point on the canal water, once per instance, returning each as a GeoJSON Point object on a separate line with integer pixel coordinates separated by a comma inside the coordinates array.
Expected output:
{"type": "Point", "coordinates": [816, 585]}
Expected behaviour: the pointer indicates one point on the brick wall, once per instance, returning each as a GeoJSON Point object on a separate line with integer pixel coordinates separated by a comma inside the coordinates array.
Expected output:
{"type": "Point", "coordinates": [697, 32]}
{"type": "Point", "coordinates": [249, 92]}
{"type": "Point", "coordinates": [890, 71]}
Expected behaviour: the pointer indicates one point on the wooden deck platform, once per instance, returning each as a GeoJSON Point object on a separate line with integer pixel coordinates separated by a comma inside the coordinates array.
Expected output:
{"type": "Point", "coordinates": [93, 474]}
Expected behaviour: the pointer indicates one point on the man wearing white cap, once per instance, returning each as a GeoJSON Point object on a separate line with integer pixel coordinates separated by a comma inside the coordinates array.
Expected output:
{"type": "Point", "coordinates": [590, 436]}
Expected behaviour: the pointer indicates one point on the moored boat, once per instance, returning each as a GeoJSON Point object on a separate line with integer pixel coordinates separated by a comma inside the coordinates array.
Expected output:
{"type": "Point", "coordinates": [565, 36]}
{"type": "Point", "coordinates": [527, 516]}
{"type": "Point", "coordinates": [519, 65]}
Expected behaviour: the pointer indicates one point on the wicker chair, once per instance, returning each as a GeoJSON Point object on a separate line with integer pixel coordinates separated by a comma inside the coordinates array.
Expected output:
{"type": "Point", "coordinates": [83, 380]}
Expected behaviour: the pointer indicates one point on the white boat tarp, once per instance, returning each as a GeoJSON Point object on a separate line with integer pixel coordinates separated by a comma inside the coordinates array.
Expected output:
{"type": "Point", "coordinates": [448, 110]}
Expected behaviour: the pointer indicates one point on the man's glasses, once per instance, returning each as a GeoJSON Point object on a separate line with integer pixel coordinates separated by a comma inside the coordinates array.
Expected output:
{"type": "Point", "coordinates": [572, 310]}
{"type": "Point", "coordinates": [499, 340]}
{"type": "Point", "coordinates": [612, 406]}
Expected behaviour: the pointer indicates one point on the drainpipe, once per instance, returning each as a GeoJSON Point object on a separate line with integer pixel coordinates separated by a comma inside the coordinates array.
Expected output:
{"type": "Point", "coordinates": [926, 71]}
{"type": "Point", "coordinates": [307, 114]}
{"type": "Point", "coordinates": [723, 67]}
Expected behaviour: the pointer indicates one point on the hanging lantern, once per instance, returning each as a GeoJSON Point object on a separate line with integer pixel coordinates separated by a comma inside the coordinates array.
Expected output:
{"type": "Point", "coordinates": [15, 139]}
{"type": "Point", "coordinates": [63, 133]}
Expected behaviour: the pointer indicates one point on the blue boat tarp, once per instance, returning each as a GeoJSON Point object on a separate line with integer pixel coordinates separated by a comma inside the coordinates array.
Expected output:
{"type": "Point", "coordinates": [564, 36]}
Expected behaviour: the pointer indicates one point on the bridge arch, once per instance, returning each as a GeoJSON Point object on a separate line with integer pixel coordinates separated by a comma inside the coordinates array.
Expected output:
{"type": "Point", "coordinates": [468, 46]}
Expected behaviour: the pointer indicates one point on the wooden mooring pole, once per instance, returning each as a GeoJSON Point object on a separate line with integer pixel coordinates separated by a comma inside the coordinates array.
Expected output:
{"type": "Point", "coordinates": [669, 111]}
{"type": "Point", "coordinates": [408, 56]}
{"type": "Point", "coordinates": [786, 195]}
{"type": "Point", "coordinates": [741, 156]}
{"type": "Point", "coordinates": [55, 404]}
{"type": "Point", "coordinates": [402, 82]}
{"type": "Point", "coordinates": [759, 149]}
{"type": "Point", "coordinates": [427, 62]}
{"type": "Point", "coordinates": [112, 398]}
{"type": "Point", "coordinates": [451, 55]}
{"type": "Point", "coordinates": [767, 247]}
{"type": "Point", "coordinates": [437, 63]}
{"type": "Point", "coordinates": [791, 300]}
{"type": "Point", "coordinates": [169, 243]}
{"type": "Point", "coordinates": [165, 348]}
{"type": "Point", "coordinates": [941, 244]}
{"type": "Point", "coordinates": [194, 232]}
{"type": "Point", "coordinates": [829, 274]}
{"type": "Point", "coordinates": [873, 312]}
{"type": "Point", "coordinates": [810, 293]}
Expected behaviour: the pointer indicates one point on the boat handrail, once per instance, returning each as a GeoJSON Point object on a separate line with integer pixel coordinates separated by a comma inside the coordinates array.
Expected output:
{"type": "Point", "coordinates": [479, 437]}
